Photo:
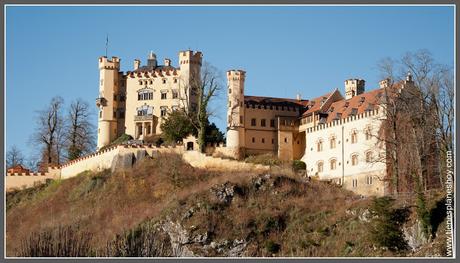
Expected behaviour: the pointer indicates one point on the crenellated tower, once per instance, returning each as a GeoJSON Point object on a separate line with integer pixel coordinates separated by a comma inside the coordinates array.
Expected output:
{"type": "Point", "coordinates": [235, 111]}
{"type": "Point", "coordinates": [190, 71]}
{"type": "Point", "coordinates": [106, 101]}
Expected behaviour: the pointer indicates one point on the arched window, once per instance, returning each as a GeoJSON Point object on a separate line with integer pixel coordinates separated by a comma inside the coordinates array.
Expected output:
{"type": "Point", "coordinates": [369, 157]}
{"type": "Point", "coordinates": [332, 142]}
{"type": "Point", "coordinates": [354, 159]}
{"type": "Point", "coordinates": [320, 167]}
{"type": "Point", "coordinates": [319, 145]}
{"type": "Point", "coordinates": [354, 136]}
{"type": "Point", "coordinates": [333, 164]}
{"type": "Point", "coordinates": [368, 133]}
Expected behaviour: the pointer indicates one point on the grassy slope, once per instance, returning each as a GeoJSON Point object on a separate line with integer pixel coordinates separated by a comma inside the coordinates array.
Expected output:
{"type": "Point", "coordinates": [304, 219]}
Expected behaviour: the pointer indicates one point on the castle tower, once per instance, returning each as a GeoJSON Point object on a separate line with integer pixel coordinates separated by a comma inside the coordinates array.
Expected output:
{"type": "Point", "coordinates": [353, 87]}
{"type": "Point", "coordinates": [190, 72]}
{"type": "Point", "coordinates": [106, 101]}
{"type": "Point", "coordinates": [235, 111]}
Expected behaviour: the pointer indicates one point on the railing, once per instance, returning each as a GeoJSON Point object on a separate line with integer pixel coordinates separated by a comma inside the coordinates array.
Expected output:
{"type": "Point", "coordinates": [144, 117]}
{"type": "Point", "coordinates": [101, 101]}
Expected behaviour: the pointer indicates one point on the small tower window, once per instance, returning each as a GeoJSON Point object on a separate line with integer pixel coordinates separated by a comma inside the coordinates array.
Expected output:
{"type": "Point", "coordinates": [164, 81]}
{"type": "Point", "coordinates": [354, 160]}
{"type": "Point", "coordinates": [163, 111]}
{"type": "Point", "coordinates": [354, 137]}
{"type": "Point", "coordinates": [263, 140]}
{"type": "Point", "coordinates": [332, 143]}
{"type": "Point", "coordinates": [175, 94]}
{"type": "Point", "coordinates": [369, 157]}
{"type": "Point", "coordinates": [319, 146]}
{"type": "Point", "coordinates": [100, 114]}
{"type": "Point", "coordinates": [229, 91]}
{"type": "Point", "coordinates": [333, 164]}
{"type": "Point", "coordinates": [253, 122]}
{"type": "Point", "coordinates": [320, 167]}
{"type": "Point", "coordinates": [253, 140]}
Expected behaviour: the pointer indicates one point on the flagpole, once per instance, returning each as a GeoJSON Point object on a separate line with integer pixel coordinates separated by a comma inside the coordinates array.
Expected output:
{"type": "Point", "coordinates": [106, 45]}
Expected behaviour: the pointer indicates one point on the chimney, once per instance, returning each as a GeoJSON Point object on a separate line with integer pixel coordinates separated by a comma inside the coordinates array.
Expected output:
{"type": "Point", "coordinates": [353, 87]}
{"type": "Point", "coordinates": [384, 83]}
{"type": "Point", "coordinates": [167, 62]}
{"type": "Point", "coordinates": [137, 63]}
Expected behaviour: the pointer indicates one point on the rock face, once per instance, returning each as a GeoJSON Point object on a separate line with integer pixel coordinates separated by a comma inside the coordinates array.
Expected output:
{"type": "Point", "coordinates": [414, 235]}
{"type": "Point", "coordinates": [224, 192]}
{"type": "Point", "coordinates": [183, 240]}
{"type": "Point", "coordinates": [122, 162]}
{"type": "Point", "coordinates": [126, 161]}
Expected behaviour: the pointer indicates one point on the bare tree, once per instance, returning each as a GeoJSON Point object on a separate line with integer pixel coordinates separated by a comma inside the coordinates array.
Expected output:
{"type": "Point", "coordinates": [14, 157]}
{"type": "Point", "coordinates": [202, 89]}
{"type": "Point", "coordinates": [48, 132]}
{"type": "Point", "coordinates": [415, 122]}
{"type": "Point", "coordinates": [79, 133]}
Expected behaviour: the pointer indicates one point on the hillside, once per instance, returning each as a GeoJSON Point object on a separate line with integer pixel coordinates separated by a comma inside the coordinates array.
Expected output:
{"type": "Point", "coordinates": [165, 207]}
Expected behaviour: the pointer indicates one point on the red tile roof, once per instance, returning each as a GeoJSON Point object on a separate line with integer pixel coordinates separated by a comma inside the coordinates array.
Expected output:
{"type": "Point", "coordinates": [356, 105]}
{"type": "Point", "coordinates": [18, 169]}
{"type": "Point", "coordinates": [315, 104]}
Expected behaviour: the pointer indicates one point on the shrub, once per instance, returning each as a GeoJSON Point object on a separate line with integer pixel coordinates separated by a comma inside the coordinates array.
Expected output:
{"type": "Point", "coordinates": [176, 126]}
{"type": "Point", "coordinates": [57, 242]}
{"type": "Point", "coordinates": [272, 247]}
{"type": "Point", "coordinates": [299, 165]}
{"type": "Point", "coordinates": [142, 241]}
{"type": "Point", "coordinates": [157, 140]}
{"type": "Point", "coordinates": [386, 225]}
{"type": "Point", "coordinates": [265, 159]}
{"type": "Point", "coordinates": [123, 138]}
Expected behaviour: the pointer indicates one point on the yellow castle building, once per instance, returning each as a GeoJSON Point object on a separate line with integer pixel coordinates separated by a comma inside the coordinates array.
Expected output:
{"type": "Point", "coordinates": [134, 102]}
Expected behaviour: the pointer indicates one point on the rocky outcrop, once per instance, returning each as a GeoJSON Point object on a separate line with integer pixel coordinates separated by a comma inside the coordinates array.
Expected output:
{"type": "Point", "coordinates": [125, 161]}
{"type": "Point", "coordinates": [413, 233]}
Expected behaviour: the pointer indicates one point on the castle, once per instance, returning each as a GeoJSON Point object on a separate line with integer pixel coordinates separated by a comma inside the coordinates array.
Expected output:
{"type": "Point", "coordinates": [335, 136]}
{"type": "Point", "coordinates": [134, 102]}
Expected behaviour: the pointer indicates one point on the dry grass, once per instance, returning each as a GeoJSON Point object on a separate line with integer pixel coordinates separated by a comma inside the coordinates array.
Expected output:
{"type": "Point", "coordinates": [106, 204]}
{"type": "Point", "coordinates": [283, 217]}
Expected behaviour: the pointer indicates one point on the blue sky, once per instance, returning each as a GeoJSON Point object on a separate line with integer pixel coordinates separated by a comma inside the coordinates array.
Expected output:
{"type": "Point", "coordinates": [285, 50]}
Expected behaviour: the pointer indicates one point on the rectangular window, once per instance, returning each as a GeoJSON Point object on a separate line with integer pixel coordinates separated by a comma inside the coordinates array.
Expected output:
{"type": "Point", "coordinates": [114, 114]}
{"type": "Point", "coordinates": [175, 94]}
{"type": "Point", "coordinates": [272, 123]}
{"type": "Point", "coordinates": [163, 95]}
{"type": "Point", "coordinates": [354, 183]}
{"type": "Point", "coordinates": [100, 114]}
{"type": "Point", "coordinates": [241, 119]}
{"type": "Point", "coordinates": [253, 140]}
{"type": "Point", "coordinates": [369, 180]}
{"type": "Point", "coordinates": [253, 122]}
{"type": "Point", "coordinates": [164, 81]}
{"type": "Point", "coordinates": [273, 141]}
{"type": "Point", "coordinates": [163, 111]}
{"type": "Point", "coordinates": [263, 140]}
{"type": "Point", "coordinates": [262, 122]}
{"type": "Point", "coordinates": [114, 97]}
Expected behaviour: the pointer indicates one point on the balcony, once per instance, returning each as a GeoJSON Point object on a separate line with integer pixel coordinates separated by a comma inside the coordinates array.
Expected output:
{"type": "Point", "coordinates": [101, 101]}
{"type": "Point", "coordinates": [148, 117]}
